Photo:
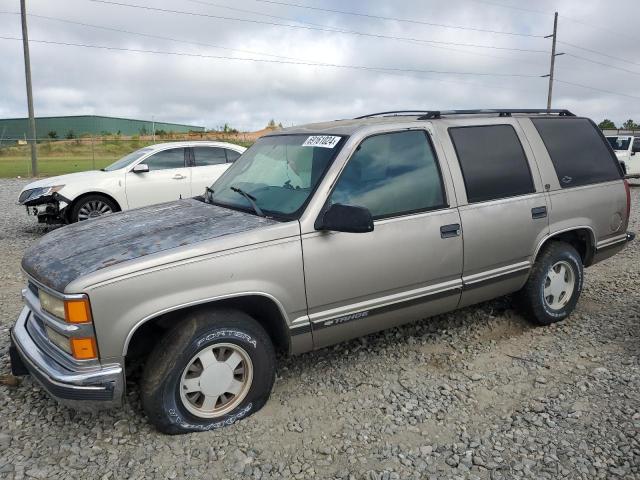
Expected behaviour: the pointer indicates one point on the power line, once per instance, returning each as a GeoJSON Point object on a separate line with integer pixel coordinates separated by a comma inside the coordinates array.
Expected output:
{"type": "Point", "coordinates": [597, 89]}
{"type": "Point", "coordinates": [602, 63]}
{"type": "Point", "coordinates": [287, 62]}
{"type": "Point", "coordinates": [522, 9]}
{"type": "Point", "coordinates": [598, 53]}
{"type": "Point", "coordinates": [148, 35]}
{"type": "Point", "coordinates": [188, 42]}
{"type": "Point", "coordinates": [322, 29]}
{"type": "Point", "coordinates": [337, 30]}
{"type": "Point", "coordinates": [571, 19]}
{"type": "Point", "coordinates": [396, 19]}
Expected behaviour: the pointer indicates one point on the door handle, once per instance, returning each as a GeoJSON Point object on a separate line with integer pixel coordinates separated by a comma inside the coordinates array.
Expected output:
{"type": "Point", "coordinates": [538, 212]}
{"type": "Point", "coordinates": [448, 231]}
{"type": "Point", "coordinates": [178, 177]}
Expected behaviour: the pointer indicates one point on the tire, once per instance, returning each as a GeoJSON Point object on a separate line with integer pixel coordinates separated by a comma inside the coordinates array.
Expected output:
{"type": "Point", "coordinates": [542, 301]}
{"type": "Point", "coordinates": [92, 206]}
{"type": "Point", "coordinates": [169, 370]}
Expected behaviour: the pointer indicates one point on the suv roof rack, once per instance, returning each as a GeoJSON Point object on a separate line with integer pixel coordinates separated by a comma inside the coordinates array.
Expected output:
{"type": "Point", "coordinates": [503, 112]}
{"type": "Point", "coordinates": [393, 113]}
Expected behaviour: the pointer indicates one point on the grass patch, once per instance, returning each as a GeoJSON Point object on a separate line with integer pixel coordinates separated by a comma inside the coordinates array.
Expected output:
{"type": "Point", "coordinates": [69, 156]}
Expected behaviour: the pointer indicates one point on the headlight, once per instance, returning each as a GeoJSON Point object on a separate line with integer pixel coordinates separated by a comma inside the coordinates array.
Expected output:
{"type": "Point", "coordinates": [51, 304]}
{"type": "Point", "coordinates": [71, 311]}
{"type": "Point", "coordinates": [34, 193]}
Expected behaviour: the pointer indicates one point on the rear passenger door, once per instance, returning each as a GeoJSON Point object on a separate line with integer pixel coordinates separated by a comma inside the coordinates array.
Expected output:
{"type": "Point", "coordinates": [409, 266]}
{"type": "Point", "coordinates": [208, 164]}
{"type": "Point", "coordinates": [502, 206]}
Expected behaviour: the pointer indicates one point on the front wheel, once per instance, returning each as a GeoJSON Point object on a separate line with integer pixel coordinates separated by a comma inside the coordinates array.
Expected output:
{"type": "Point", "coordinates": [92, 206]}
{"type": "Point", "coordinates": [209, 371]}
{"type": "Point", "coordinates": [554, 285]}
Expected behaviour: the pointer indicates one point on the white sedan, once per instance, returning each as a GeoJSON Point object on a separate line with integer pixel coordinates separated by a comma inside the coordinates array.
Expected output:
{"type": "Point", "coordinates": [153, 174]}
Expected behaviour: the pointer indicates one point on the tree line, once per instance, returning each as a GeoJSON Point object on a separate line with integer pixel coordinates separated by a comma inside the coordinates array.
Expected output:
{"type": "Point", "coordinates": [607, 124]}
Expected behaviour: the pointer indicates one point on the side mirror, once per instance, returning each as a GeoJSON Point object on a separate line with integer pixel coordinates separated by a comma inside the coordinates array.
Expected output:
{"type": "Point", "coordinates": [345, 218]}
{"type": "Point", "coordinates": [141, 168]}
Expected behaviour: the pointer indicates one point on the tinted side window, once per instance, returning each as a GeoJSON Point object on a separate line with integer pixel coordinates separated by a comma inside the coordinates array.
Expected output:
{"type": "Point", "coordinates": [232, 155]}
{"type": "Point", "coordinates": [636, 144]}
{"type": "Point", "coordinates": [493, 162]}
{"type": "Point", "coordinates": [173, 158]}
{"type": "Point", "coordinates": [392, 174]}
{"type": "Point", "coordinates": [577, 150]}
{"type": "Point", "coordinates": [209, 156]}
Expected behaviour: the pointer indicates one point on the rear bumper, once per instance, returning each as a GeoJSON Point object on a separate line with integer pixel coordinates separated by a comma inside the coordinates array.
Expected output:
{"type": "Point", "coordinates": [610, 248]}
{"type": "Point", "coordinates": [83, 389]}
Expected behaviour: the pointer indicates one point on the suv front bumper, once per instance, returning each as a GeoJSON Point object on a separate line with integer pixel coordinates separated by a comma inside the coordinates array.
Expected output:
{"type": "Point", "coordinates": [82, 389]}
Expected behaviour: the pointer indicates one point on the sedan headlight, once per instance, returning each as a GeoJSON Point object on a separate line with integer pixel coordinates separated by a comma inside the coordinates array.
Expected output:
{"type": "Point", "coordinates": [75, 310]}
{"type": "Point", "coordinates": [35, 193]}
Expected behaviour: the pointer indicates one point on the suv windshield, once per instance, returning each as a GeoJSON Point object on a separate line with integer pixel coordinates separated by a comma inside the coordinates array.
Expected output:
{"type": "Point", "coordinates": [277, 174]}
{"type": "Point", "coordinates": [619, 143]}
{"type": "Point", "coordinates": [127, 159]}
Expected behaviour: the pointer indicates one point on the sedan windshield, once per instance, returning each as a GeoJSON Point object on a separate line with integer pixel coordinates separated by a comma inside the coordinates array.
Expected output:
{"type": "Point", "coordinates": [619, 143]}
{"type": "Point", "coordinates": [277, 174]}
{"type": "Point", "coordinates": [127, 159]}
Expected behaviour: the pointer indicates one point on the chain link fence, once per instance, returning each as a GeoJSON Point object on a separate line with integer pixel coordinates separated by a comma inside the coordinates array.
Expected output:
{"type": "Point", "coordinates": [60, 156]}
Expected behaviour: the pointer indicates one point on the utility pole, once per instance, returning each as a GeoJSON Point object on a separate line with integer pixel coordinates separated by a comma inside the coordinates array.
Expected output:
{"type": "Point", "coordinates": [554, 36]}
{"type": "Point", "coordinates": [27, 73]}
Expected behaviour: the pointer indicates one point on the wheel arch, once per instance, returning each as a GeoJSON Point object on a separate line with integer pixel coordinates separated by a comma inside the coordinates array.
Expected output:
{"type": "Point", "coordinates": [75, 201]}
{"type": "Point", "coordinates": [582, 238]}
{"type": "Point", "coordinates": [265, 309]}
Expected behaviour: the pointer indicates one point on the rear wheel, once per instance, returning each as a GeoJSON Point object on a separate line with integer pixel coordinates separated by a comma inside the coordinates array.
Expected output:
{"type": "Point", "coordinates": [212, 369]}
{"type": "Point", "coordinates": [554, 285]}
{"type": "Point", "coordinates": [92, 206]}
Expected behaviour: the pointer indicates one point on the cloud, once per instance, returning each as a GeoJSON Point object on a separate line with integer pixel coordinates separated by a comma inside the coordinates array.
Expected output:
{"type": "Point", "coordinates": [73, 80]}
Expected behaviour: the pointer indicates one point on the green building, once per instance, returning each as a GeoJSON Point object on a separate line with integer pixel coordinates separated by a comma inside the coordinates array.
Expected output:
{"type": "Point", "coordinates": [78, 125]}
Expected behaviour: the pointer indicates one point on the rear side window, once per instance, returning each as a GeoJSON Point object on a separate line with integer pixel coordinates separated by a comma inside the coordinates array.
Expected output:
{"type": "Point", "coordinates": [493, 162]}
{"type": "Point", "coordinates": [209, 156]}
{"type": "Point", "coordinates": [577, 150]}
{"type": "Point", "coordinates": [636, 144]}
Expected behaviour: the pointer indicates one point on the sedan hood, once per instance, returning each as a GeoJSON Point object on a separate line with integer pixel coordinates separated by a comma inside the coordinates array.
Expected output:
{"type": "Point", "coordinates": [82, 248]}
{"type": "Point", "coordinates": [64, 179]}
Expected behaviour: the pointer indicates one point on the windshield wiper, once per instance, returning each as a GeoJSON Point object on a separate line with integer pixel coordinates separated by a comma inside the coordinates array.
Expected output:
{"type": "Point", "coordinates": [250, 198]}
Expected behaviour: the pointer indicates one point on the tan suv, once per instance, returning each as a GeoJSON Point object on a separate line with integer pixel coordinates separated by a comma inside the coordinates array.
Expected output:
{"type": "Point", "coordinates": [315, 235]}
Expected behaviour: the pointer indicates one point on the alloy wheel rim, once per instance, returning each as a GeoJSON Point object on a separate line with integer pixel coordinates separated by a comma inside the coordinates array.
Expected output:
{"type": "Point", "coordinates": [559, 285]}
{"type": "Point", "coordinates": [93, 209]}
{"type": "Point", "coordinates": [216, 380]}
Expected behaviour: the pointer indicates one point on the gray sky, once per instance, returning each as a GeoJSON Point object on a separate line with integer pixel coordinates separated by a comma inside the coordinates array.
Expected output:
{"type": "Point", "coordinates": [70, 80]}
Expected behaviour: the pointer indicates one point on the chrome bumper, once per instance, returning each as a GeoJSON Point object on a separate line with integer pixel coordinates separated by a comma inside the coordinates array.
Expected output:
{"type": "Point", "coordinates": [83, 389]}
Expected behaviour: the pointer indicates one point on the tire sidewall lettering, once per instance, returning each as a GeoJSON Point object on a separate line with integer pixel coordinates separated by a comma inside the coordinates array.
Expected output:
{"type": "Point", "coordinates": [174, 410]}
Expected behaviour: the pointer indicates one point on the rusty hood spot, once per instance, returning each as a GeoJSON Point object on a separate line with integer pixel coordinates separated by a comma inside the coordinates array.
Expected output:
{"type": "Point", "coordinates": [82, 248]}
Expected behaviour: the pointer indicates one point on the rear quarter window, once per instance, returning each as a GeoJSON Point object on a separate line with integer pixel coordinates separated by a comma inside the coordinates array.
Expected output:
{"type": "Point", "coordinates": [578, 151]}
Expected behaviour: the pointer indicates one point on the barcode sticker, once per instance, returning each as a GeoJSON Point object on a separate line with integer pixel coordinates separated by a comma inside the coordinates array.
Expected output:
{"type": "Point", "coordinates": [324, 141]}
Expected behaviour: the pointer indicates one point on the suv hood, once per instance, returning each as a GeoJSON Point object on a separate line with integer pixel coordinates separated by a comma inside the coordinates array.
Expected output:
{"type": "Point", "coordinates": [82, 248]}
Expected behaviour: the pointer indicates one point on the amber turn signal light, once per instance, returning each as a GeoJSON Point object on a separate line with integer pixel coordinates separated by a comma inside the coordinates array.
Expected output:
{"type": "Point", "coordinates": [83, 348]}
{"type": "Point", "coordinates": [77, 311]}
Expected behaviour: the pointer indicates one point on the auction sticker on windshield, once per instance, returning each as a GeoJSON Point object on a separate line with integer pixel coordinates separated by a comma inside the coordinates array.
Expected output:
{"type": "Point", "coordinates": [324, 141]}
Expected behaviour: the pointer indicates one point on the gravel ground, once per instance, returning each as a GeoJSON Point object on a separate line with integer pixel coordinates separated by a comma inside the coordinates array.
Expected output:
{"type": "Point", "coordinates": [476, 394]}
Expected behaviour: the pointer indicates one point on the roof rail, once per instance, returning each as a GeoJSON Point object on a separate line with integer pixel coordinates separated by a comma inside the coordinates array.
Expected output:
{"type": "Point", "coordinates": [502, 112]}
{"type": "Point", "coordinates": [393, 113]}
{"type": "Point", "coordinates": [433, 114]}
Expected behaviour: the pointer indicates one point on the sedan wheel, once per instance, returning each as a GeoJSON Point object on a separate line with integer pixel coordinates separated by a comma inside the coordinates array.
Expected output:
{"type": "Point", "coordinates": [93, 209]}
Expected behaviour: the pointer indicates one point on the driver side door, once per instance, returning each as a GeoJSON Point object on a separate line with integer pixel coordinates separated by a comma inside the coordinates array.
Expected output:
{"type": "Point", "coordinates": [168, 179]}
{"type": "Point", "coordinates": [409, 267]}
